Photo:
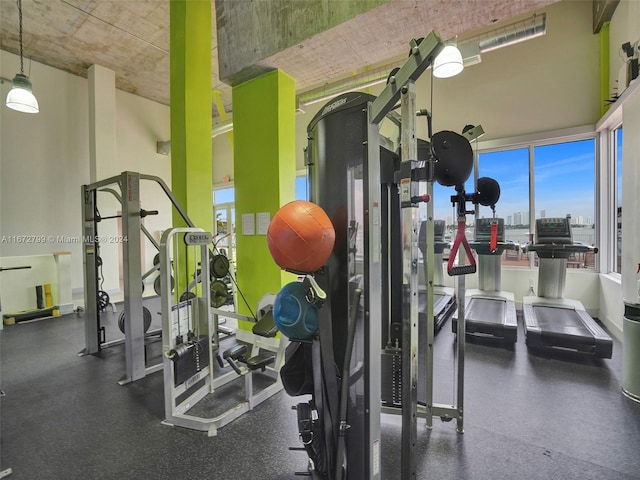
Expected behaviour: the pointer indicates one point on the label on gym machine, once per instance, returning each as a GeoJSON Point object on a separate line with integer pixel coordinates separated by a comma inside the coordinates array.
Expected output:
{"type": "Point", "coordinates": [198, 238]}
{"type": "Point", "coordinates": [375, 461]}
{"type": "Point", "coordinates": [405, 190]}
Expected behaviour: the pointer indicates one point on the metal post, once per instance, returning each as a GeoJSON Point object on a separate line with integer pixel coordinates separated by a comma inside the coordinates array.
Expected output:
{"type": "Point", "coordinates": [132, 265]}
{"type": "Point", "coordinates": [430, 266]}
{"type": "Point", "coordinates": [460, 344]}
{"type": "Point", "coordinates": [89, 255]}
{"type": "Point", "coordinates": [410, 286]}
{"type": "Point", "coordinates": [373, 304]}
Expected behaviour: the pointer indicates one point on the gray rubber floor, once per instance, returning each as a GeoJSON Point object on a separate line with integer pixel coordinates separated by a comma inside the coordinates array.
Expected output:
{"type": "Point", "coordinates": [526, 417]}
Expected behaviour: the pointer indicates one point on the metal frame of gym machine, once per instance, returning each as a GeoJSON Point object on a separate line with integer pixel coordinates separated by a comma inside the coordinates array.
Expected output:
{"type": "Point", "coordinates": [198, 315]}
{"type": "Point", "coordinates": [134, 339]}
{"type": "Point", "coordinates": [410, 232]}
{"type": "Point", "coordinates": [400, 86]}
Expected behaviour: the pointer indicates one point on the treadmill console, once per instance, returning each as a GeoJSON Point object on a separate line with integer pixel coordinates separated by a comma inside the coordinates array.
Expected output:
{"type": "Point", "coordinates": [483, 229]}
{"type": "Point", "coordinates": [553, 230]}
{"type": "Point", "coordinates": [438, 230]}
{"type": "Point", "coordinates": [439, 243]}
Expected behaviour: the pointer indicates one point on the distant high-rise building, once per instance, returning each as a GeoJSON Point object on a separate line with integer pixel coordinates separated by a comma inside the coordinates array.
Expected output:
{"type": "Point", "coordinates": [509, 220]}
{"type": "Point", "coordinates": [517, 218]}
{"type": "Point", "coordinates": [543, 213]}
{"type": "Point", "coordinates": [589, 221]}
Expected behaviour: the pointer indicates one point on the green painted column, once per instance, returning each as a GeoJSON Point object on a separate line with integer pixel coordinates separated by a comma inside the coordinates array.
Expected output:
{"type": "Point", "coordinates": [190, 74]}
{"type": "Point", "coordinates": [264, 176]}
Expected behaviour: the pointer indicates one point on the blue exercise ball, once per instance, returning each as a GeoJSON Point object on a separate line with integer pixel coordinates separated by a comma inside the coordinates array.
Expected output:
{"type": "Point", "coordinates": [294, 316]}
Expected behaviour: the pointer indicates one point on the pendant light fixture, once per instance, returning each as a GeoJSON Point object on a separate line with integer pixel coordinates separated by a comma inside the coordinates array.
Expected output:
{"type": "Point", "coordinates": [449, 62]}
{"type": "Point", "coordinates": [20, 97]}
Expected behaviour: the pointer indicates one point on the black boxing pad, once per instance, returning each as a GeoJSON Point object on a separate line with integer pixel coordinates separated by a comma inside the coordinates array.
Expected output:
{"type": "Point", "coordinates": [488, 192]}
{"type": "Point", "coordinates": [454, 158]}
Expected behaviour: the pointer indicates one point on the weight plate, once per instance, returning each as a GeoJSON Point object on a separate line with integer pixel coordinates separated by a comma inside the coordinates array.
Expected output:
{"type": "Point", "coordinates": [218, 292]}
{"type": "Point", "coordinates": [187, 296]}
{"type": "Point", "coordinates": [146, 319]}
{"type": "Point", "coordinates": [156, 285]}
{"type": "Point", "coordinates": [103, 300]}
{"type": "Point", "coordinates": [219, 266]}
{"type": "Point", "coordinates": [156, 259]}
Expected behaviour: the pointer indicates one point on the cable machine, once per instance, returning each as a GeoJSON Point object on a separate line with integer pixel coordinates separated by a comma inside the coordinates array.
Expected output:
{"type": "Point", "coordinates": [371, 195]}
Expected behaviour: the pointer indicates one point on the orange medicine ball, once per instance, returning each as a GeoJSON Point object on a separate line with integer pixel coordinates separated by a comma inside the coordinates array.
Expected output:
{"type": "Point", "coordinates": [300, 237]}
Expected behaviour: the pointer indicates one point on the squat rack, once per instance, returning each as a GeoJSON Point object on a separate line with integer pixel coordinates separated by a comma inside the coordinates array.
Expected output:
{"type": "Point", "coordinates": [132, 213]}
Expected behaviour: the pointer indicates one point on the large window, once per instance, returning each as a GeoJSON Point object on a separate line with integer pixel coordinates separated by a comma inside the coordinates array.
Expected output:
{"type": "Point", "coordinates": [564, 178]}
{"type": "Point", "coordinates": [563, 184]}
{"type": "Point", "coordinates": [617, 134]}
{"type": "Point", "coordinates": [510, 168]}
{"type": "Point", "coordinates": [301, 188]}
{"type": "Point", "coordinates": [223, 195]}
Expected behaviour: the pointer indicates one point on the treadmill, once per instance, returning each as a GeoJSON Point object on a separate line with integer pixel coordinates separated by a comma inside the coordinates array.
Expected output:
{"type": "Point", "coordinates": [553, 322]}
{"type": "Point", "coordinates": [444, 300]}
{"type": "Point", "coordinates": [489, 312]}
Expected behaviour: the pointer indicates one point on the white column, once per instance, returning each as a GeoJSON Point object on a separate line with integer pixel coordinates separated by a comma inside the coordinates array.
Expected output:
{"type": "Point", "coordinates": [102, 123]}
{"type": "Point", "coordinates": [631, 198]}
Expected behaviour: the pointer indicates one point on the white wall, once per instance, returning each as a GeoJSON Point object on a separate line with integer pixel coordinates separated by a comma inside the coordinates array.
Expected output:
{"type": "Point", "coordinates": [44, 160]}
{"type": "Point", "coordinates": [610, 305]}
{"type": "Point", "coordinates": [222, 152]}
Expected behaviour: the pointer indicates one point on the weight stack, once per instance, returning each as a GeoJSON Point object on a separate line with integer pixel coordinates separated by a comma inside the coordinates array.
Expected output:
{"type": "Point", "coordinates": [392, 377]}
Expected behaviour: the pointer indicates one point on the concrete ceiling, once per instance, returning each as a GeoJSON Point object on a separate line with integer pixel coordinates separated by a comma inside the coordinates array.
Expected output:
{"type": "Point", "coordinates": [131, 37]}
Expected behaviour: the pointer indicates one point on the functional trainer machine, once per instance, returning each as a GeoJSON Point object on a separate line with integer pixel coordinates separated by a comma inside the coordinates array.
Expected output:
{"type": "Point", "coordinates": [128, 184]}
{"type": "Point", "coordinates": [491, 312]}
{"type": "Point", "coordinates": [349, 170]}
{"type": "Point", "coordinates": [190, 340]}
{"type": "Point", "coordinates": [551, 321]}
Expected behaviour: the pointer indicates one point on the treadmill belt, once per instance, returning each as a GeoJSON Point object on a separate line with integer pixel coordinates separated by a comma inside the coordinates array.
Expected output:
{"type": "Point", "coordinates": [443, 306]}
{"type": "Point", "coordinates": [565, 329]}
{"type": "Point", "coordinates": [485, 310]}
{"type": "Point", "coordinates": [560, 321]}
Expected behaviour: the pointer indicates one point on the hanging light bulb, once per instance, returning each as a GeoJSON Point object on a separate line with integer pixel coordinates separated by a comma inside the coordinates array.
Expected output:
{"type": "Point", "coordinates": [20, 97]}
{"type": "Point", "coordinates": [448, 63]}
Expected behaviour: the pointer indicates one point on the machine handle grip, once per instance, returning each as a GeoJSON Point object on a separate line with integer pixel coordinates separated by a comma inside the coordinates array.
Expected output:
{"type": "Point", "coordinates": [462, 270]}
{"type": "Point", "coordinates": [220, 362]}
{"type": "Point", "coordinates": [461, 239]}
{"type": "Point", "coordinates": [493, 244]}
{"type": "Point", "coordinates": [234, 365]}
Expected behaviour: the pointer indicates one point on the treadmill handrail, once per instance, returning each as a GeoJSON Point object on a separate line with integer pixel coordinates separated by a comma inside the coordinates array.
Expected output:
{"type": "Point", "coordinates": [570, 247]}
